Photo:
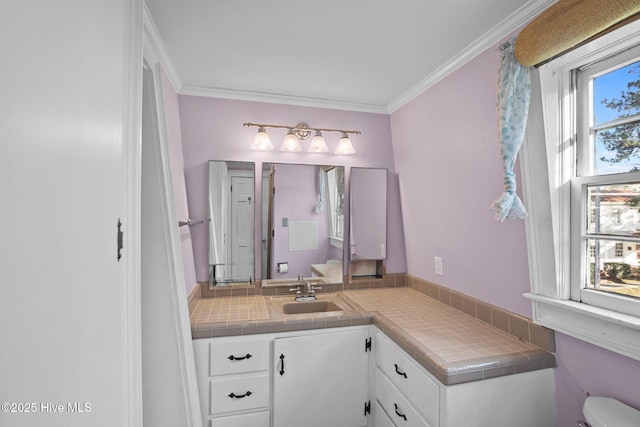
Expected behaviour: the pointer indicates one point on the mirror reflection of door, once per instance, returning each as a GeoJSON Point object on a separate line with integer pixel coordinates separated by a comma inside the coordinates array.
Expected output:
{"type": "Point", "coordinates": [231, 224]}
{"type": "Point", "coordinates": [240, 238]}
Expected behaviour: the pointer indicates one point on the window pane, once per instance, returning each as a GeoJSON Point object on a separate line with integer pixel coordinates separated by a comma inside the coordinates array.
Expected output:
{"type": "Point", "coordinates": [618, 267]}
{"type": "Point", "coordinates": [617, 149]}
{"type": "Point", "coordinates": [615, 94]}
{"type": "Point", "coordinates": [614, 209]}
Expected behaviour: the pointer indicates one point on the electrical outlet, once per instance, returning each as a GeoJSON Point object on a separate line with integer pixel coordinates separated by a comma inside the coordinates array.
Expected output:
{"type": "Point", "coordinates": [438, 264]}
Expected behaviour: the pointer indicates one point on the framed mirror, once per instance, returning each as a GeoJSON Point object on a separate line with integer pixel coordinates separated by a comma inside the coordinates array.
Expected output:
{"type": "Point", "coordinates": [368, 193]}
{"type": "Point", "coordinates": [303, 223]}
{"type": "Point", "coordinates": [231, 222]}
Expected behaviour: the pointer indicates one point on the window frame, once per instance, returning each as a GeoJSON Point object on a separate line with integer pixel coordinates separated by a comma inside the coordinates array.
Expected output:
{"type": "Point", "coordinates": [547, 170]}
{"type": "Point", "coordinates": [335, 222]}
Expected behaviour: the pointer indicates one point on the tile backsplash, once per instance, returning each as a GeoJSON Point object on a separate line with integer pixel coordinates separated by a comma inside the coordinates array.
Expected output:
{"type": "Point", "coordinates": [500, 318]}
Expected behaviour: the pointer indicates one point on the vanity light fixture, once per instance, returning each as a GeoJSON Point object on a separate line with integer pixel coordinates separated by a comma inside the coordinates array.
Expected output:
{"type": "Point", "coordinates": [262, 140]}
{"type": "Point", "coordinates": [291, 142]}
{"type": "Point", "coordinates": [318, 145]}
{"type": "Point", "coordinates": [301, 132]}
{"type": "Point", "coordinates": [344, 145]}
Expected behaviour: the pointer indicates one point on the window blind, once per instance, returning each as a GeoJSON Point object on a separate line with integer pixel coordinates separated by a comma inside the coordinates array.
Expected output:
{"type": "Point", "coordinates": [568, 24]}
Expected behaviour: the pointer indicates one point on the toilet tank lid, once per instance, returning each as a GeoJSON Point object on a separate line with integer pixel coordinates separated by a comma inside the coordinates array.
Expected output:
{"type": "Point", "coordinates": [607, 412]}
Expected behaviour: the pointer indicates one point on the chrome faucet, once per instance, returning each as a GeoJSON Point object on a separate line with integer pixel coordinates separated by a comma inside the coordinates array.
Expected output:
{"type": "Point", "coordinates": [304, 290]}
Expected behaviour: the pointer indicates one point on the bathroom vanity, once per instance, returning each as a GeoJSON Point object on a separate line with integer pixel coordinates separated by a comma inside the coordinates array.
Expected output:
{"type": "Point", "coordinates": [361, 365]}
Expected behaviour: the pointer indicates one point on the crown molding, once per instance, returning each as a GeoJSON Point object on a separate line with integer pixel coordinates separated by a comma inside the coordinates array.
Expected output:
{"type": "Point", "coordinates": [152, 37]}
{"type": "Point", "coordinates": [299, 101]}
{"type": "Point", "coordinates": [510, 24]}
{"type": "Point", "coordinates": [513, 22]}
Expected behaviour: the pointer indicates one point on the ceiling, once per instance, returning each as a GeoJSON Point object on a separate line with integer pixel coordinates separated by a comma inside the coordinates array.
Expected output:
{"type": "Point", "coordinates": [363, 55]}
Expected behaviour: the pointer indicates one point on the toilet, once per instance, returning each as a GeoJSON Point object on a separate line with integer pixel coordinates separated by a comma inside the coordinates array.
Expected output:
{"type": "Point", "coordinates": [607, 412]}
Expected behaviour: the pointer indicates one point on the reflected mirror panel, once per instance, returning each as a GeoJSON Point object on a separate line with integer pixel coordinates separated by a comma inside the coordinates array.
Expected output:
{"type": "Point", "coordinates": [368, 237]}
{"type": "Point", "coordinates": [303, 223]}
{"type": "Point", "coordinates": [231, 222]}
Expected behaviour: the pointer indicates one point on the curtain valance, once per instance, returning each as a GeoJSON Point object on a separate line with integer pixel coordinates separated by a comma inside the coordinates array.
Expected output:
{"type": "Point", "coordinates": [567, 24]}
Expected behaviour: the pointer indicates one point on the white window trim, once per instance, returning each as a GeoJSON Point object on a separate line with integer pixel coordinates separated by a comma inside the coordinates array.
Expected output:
{"type": "Point", "coordinates": [546, 193]}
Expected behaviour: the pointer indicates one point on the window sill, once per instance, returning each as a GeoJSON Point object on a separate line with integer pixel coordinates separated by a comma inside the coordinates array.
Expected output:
{"type": "Point", "coordinates": [336, 242]}
{"type": "Point", "coordinates": [605, 328]}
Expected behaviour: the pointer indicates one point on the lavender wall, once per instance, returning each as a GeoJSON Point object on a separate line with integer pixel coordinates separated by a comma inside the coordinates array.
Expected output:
{"type": "Point", "coordinates": [448, 158]}
{"type": "Point", "coordinates": [212, 130]}
{"type": "Point", "coordinates": [177, 172]}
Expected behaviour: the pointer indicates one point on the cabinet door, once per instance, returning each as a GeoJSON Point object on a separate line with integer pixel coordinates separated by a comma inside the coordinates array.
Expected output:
{"type": "Point", "coordinates": [320, 380]}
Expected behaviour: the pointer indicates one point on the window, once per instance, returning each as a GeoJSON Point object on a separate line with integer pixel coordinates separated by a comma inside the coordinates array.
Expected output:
{"type": "Point", "coordinates": [605, 186]}
{"type": "Point", "coordinates": [335, 186]}
{"type": "Point", "coordinates": [582, 190]}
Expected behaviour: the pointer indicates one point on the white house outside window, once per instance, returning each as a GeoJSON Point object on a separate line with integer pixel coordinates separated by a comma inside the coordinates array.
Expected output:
{"type": "Point", "coordinates": [581, 180]}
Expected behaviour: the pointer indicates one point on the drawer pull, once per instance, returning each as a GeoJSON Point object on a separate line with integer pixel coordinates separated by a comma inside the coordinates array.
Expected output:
{"type": "Point", "coordinates": [402, 374]}
{"type": "Point", "coordinates": [232, 357]}
{"type": "Point", "coordinates": [400, 414]}
{"type": "Point", "coordinates": [240, 396]}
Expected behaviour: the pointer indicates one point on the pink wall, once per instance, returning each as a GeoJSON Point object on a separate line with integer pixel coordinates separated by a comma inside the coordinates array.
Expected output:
{"type": "Point", "coordinates": [177, 173]}
{"type": "Point", "coordinates": [212, 130]}
{"type": "Point", "coordinates": [448, 159]}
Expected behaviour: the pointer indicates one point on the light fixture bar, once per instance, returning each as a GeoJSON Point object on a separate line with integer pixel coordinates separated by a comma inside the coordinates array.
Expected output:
{"type": "Point", "coordinates": [302, 127]}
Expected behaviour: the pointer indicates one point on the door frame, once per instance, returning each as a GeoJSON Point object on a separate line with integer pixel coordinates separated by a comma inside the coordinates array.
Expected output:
{"type": "Point", "coordinates": [231, 214]}
{"type": "Point", "coordinates": [141, 40]}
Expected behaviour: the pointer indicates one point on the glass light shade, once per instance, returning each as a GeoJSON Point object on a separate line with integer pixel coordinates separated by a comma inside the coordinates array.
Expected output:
{"type": "Point", "coordinates": [290, 143]}
{"type": "Point", "coordinates": [262, 141]}
{"type": "Point", "coordinates": [317, 144]}
{"type": "Point", "coordinates": [345, 146]}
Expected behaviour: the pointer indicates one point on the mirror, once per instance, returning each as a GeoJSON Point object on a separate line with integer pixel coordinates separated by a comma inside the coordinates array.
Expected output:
{"type": "Point", "coordinates": [231, 222]}
{"type": "Point", "coordinates": [303, 223]}
{"type": "Point", "coordinates": [368, 222]}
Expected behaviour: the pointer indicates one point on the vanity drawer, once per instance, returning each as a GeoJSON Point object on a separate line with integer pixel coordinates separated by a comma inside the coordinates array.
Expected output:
{"type": "Point", "coordinates": [407, 376]}
{"type": "Point", "coordinates": [380, 418]}
{"type": "Point", "coordinates": [235, 356]}
{"type": "Point", "coordinates": [401, 412]}
{"type": "Point", "coordinates": [238, 393]}
{"type": "Point", "coordinates": [256, 419]}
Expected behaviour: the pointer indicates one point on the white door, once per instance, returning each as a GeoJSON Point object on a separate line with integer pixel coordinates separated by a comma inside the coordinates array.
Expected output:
{"type": "Point", "coordinates": [320, 380]}
{"type": "Point", "coordinates": [242, 225]}
{"type": "Point", "coordinates": [67, 339]}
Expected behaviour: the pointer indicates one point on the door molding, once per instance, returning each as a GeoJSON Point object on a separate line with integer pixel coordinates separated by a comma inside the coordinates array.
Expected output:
{"type": "Point", "coordinates": [132, 143]}
{"type": "Point", "coordinates": [178, 345]}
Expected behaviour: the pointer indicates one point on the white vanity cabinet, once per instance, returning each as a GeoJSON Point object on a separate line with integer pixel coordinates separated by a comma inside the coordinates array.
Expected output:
{"type": "Point", "coordinates": [314, 378]}
{"type": "Point", "coordinates": [410, 396]}
{"type": "Point", "coordinates": [320, 380]}
{"type": "Point", "coordinates": [335, 377]}
{"type": "Point", "coordinates": [233, 381]}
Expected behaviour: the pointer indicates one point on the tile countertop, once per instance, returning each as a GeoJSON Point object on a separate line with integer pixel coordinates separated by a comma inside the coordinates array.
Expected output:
{"type": "Point", "coordinates": [451, 345]}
